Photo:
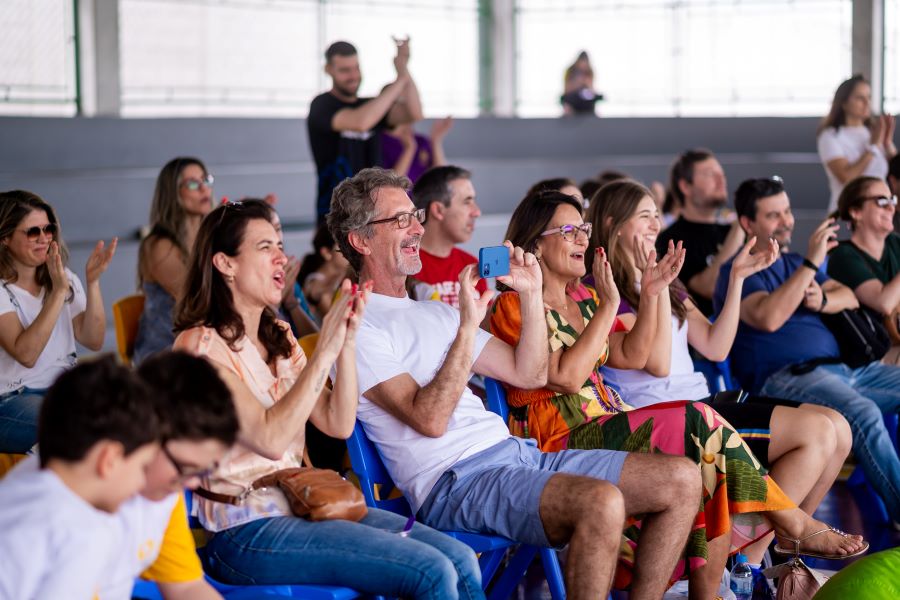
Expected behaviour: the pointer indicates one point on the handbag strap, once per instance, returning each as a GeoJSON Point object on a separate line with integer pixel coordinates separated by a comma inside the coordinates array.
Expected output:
{"type": "Point", "coordinates": [238, 499]}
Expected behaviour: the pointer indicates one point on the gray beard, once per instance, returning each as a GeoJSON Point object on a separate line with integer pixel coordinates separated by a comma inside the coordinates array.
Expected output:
{"type": "Point", "coordinates": [410, 268]}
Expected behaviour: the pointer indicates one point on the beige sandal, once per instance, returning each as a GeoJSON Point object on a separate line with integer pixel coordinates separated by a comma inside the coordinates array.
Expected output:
{"type": "Point", "coordinates": [796, 542]}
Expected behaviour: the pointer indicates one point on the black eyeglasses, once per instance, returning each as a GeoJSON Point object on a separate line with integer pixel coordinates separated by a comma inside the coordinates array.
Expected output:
{"type": "Point", "coordinates": [880, 201]}
{"type": "Point", "coordinates": [186, 473]}
{"type": "Point", "coordinates": [404, 219]}
{"type": "Point", "coordinates": [194, 184]}
{"type": "Point", "coordinates": [33, 233]}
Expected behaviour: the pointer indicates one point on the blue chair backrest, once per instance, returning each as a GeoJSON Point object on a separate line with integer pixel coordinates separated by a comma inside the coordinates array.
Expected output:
{"type": "Point", "coordinates": [374, 479]}
{"type": "Point", "coordinates": [496, 398]}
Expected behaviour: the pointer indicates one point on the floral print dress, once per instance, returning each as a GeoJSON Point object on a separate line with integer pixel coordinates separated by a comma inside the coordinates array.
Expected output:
{"type": "Point", "coordinates": [736, 488]}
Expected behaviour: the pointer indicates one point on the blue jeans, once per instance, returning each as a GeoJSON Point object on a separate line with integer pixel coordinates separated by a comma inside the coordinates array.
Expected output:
{"type": "Point", "coordinates": [18, 419]}
{"type": "Point", "coordinates": [367, 556]}
{"type": "Point", "coordinates": [861, 395]}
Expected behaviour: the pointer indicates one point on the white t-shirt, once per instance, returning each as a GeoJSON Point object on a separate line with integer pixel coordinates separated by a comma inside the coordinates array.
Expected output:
{"type": "Point", "coordinates": [143, 525]}
{"type": "Point", "coordinates": [400, 335]}
{"type": "Point", "coordinates": [849, 143]}
{"type": "Point", "coordinates": [639, 388]}
{"type": "Point", "coordinates": [59, 353]}
{"type": "Point", "coordinates": [53, 544]}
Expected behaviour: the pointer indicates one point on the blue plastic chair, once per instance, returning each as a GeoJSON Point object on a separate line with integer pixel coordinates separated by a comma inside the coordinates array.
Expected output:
{"type": "Point", "coordinates": [150, 591]}
{"type": "Point", "coordinates": [860, 483]}
{"type": "Point", "coordinates": [718, 374]}
{"type": "Point", "coordinates": [378, 487]}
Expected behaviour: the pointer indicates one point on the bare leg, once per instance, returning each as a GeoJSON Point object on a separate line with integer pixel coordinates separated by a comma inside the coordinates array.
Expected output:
{"type": "Point", "coordinates": [589, 514]}
{"type": "Point", "coordinates": [806, 453]}
{"type": "Point", "coordinates": [667, 490]}
{"type": "Point", "coordinates": [704, 582]}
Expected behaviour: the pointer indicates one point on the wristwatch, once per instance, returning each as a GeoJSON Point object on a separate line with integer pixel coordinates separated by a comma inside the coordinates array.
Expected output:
{"type": "Point", "coordinates": [824, 301]}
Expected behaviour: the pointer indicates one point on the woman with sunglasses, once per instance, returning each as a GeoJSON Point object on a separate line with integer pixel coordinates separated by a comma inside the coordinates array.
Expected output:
{"type": "Point", "coordinates": [44, 309]}
{"type": "Point", "coordinates": [577, 409]}
{"type": "Point", "coordinates": [237, 273]}
{"type": "Point", "coordinates": [803, 446]}
{"type": "Point", "coordinates": [183, 196]}
{"type": "Point", "coordinates": [869, 262]}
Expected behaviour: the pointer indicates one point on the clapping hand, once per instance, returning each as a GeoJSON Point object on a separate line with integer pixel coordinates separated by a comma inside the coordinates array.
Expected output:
{"type": "Point", "coordinates": [823, 239]}
{"type": "Point", "coordinates": [401, 61]}
{"type": "Point", "coordinates": [291, 270]}
{"type": "Point", "coordinates": [746, 264]}
{"type": "Point", "coordinates": [342, 319]}
{"type": "Point", "coordinates": [604, 282]}
{"type": "Point", "coordinates": [656, 276]}
{"type": "Point", "coordinates": [440, 128]}
{"type": "Point", "coordinates": [56, 269]}
{"type": "Point", "coordinates": [99, 260]}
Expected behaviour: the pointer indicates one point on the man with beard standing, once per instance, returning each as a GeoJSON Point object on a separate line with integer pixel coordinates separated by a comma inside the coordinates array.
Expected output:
{"type": "Point", "coordinates": [344, 128]}
{"type": "Point", "coordinates": [697, 181]}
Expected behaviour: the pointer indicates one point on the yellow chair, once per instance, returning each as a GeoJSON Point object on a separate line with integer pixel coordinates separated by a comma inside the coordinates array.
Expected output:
{"type": "Point", "coordinates": [126, 314]}
{"type": "Point", "coordinates": [308, 343]}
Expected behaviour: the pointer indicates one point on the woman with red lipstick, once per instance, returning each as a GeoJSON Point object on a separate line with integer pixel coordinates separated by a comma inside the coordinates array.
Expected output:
{"type": "Point", "coordinates": [44, 309]}
{"type": "Point", "coordinates": [578, 410]}
{"type": "Point", "coordinates": [237, 273]}
{"type": "Point", "coordinates": [183, 196]}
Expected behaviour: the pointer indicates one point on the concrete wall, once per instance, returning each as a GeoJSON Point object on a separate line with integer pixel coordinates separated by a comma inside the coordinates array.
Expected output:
{"type": "Point", "coordinates": [99, 173]}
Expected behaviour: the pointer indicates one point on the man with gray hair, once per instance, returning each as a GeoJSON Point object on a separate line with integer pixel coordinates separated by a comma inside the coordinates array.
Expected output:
{"type": "Point", "coordinates": [447, 195]}
{"type": "Point", "coordinates": [456, 463]}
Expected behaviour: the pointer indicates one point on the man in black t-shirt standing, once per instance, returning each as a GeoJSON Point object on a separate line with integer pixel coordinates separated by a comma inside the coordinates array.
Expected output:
{"type": "Point", "coordinates": [698, 183]}
{"type": "Point", "coordinates": [344, 128]}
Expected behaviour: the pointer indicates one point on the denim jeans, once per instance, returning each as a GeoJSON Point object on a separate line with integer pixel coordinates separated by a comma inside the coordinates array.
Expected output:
{"type": "Point", "coordinates": [368, 556]}
{"type": "Point", "coordinates": [861, 395]}
{"type": "Point", "coordinates": [18, 419]}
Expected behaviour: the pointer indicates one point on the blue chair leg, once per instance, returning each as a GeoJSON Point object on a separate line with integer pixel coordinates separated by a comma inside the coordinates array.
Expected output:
{"type": "Point", "coordinates": [515, 569]}
{"type": "Point", "coordinates": [553, 573]}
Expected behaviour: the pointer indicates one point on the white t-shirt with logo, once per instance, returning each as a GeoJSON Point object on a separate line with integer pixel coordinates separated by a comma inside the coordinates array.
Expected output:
{"type": "Point", "coordinates": [53, 544]}
{"type": "Point", "coordinates": [401, 335]}
{"type": "Point", "coordinates": [143, 526]}
{"type": "Point", "coordinates": [849, 143]}
{"type": "Point", "coordinates": [58, 354]}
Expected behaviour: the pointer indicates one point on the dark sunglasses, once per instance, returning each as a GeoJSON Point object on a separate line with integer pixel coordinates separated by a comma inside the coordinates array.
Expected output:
{"type": "Point", "coordinates": [33, 233]}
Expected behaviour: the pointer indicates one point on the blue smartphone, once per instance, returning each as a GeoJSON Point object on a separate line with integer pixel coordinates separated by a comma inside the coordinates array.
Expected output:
{"type": "Point", "coordinates": [493, 261]}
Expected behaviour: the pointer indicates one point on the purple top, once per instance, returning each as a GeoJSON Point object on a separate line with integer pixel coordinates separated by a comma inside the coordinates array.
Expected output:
{"type": "Point", "coordinates": [392, 148]}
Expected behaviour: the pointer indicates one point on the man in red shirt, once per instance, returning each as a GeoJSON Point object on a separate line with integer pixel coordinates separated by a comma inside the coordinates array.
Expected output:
{"type": "Point", "coordinates": [447, 194]}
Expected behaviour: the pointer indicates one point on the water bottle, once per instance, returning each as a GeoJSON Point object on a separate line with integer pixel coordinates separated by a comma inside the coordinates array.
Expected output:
{"type": "Point", "coordinates": [741, 578]}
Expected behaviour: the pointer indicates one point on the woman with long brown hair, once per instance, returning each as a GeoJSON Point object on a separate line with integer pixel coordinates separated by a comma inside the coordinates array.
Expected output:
{"type": "Point", "coordinates": [182, 197]}
{"type": "Point", "coordinates": [851, 141]}
{"type": "Point", "coordinates": [578, 410]}
{"type": "Point", "coordinates": [237, 273]}
{"type": "Point", "coordinates": [44, 309]}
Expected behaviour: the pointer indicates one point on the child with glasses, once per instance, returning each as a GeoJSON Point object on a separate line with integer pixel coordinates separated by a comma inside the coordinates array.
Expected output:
{"type": "Point", "coordinates": [44, 309]}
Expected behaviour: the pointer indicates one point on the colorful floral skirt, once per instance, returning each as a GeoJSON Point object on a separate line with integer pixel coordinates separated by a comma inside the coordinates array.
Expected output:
{"type": "Point", "coordinates": [736, 488]}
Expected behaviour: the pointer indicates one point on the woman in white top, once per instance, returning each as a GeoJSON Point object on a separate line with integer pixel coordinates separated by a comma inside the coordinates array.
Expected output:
{"type": "Point", "coordinates": [851, 142]}
{"type": "Point", "coordinates": [804, 448]}
{"type": "Point", "coordinates": [237, 273]}
{"type": "Point", "coordinates": [44, 309]}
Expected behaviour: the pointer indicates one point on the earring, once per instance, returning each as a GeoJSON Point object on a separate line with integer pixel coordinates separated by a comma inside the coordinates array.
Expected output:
{"type": "Point", "coordinates": [229, 278]}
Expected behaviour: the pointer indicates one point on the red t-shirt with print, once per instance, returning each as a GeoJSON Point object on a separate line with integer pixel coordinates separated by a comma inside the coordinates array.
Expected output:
{"type": "Point", "coordinates": [443, 274]}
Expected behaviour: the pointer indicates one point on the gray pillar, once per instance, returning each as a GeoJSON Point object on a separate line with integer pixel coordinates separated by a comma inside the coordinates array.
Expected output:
{"type": "Point", "coordinates": [98, 51]}
{"type": "Point", "coordinates": [497, 58]}
{"type": "Point", "coordinates": [868, 46]}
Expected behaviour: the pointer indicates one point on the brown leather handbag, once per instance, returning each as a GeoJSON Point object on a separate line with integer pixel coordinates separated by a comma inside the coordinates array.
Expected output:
{"type": "Point", "coordinates": [317, 494]}
{"type": "Point", "coordinates": [314, 494]}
